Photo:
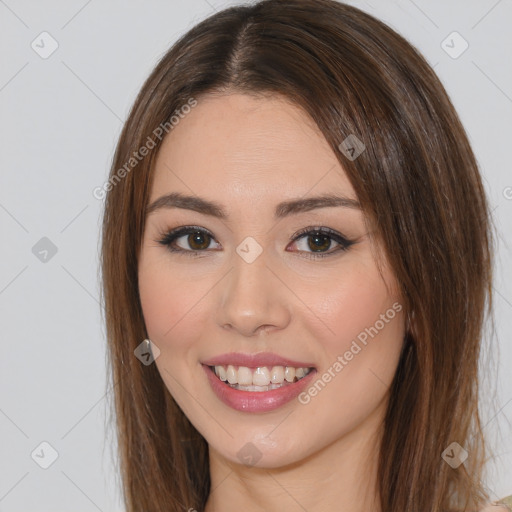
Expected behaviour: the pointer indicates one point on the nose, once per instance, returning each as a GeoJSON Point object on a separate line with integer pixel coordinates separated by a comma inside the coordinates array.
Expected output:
{"type": "Point", "coordinates": [252, 299]}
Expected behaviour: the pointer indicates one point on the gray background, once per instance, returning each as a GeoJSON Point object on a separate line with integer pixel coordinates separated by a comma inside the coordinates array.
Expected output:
{"type": "Point", "coordinates": [60, 119]}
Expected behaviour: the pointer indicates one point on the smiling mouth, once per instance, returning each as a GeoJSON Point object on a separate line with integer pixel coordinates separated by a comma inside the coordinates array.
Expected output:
{"type": "Point", "coordinates": [262, 378]}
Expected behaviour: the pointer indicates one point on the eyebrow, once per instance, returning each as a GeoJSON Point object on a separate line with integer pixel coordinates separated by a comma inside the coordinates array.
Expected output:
{"type": "Point", "coordinates": [284, 209]}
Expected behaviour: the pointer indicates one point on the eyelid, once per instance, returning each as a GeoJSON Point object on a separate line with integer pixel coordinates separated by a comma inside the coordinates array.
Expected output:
{"type": "Point", "coordinates": [324, 230]}
{"type": "Point", "coordinates": [169, 236]}
{"type": "Point", "coordinates": [343, 242]}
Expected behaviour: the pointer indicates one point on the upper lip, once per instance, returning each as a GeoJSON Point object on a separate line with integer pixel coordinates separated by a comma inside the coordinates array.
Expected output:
{"type": "Point", "coordinates": [255, 360]}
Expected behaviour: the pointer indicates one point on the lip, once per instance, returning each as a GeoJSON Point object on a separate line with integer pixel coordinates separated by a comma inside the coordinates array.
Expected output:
{"type": "Point", "coordinates": [255, 360]}
{"type": "Point", "coordinates": [256, 401]}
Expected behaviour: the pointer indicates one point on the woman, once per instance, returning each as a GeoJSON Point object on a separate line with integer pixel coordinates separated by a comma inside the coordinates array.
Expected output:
{"type": "Point", "coordinates": [297, 263]}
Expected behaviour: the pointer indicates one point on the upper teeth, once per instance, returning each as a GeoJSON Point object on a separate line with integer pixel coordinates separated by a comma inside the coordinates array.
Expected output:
{"type": "Point", "coordinates": [261, 376]}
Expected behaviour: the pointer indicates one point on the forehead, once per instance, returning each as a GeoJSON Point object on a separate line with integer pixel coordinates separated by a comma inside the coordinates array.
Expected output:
{"type": "Point", "coordinates": [248, 147]}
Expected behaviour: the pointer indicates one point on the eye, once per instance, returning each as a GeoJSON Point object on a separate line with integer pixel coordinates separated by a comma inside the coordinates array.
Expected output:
{"type": "Point", "coordinates": [198, 239]}
{"type": "Point", "coordinates": [317, 239]}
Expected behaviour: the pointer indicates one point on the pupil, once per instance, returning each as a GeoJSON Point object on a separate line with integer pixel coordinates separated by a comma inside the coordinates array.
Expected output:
{"type": "Point", "coordinates": [197, 238]}
{"type": "Point", "coordinates": [318, 244]}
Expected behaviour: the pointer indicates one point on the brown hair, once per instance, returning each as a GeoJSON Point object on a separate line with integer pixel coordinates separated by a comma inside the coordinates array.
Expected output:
{"type": "Point", "coordinates": [419, 186]}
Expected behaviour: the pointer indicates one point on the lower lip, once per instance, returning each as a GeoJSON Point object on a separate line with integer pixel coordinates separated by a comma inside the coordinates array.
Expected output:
{"type": "Point", "coordinates": [256, 401]}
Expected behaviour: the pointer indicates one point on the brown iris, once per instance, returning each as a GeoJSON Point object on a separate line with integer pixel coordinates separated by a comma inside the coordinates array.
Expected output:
{"type": "Point", "coordinates": [198, 238]}
{"type": "Point", "coordinates": [317, 239]}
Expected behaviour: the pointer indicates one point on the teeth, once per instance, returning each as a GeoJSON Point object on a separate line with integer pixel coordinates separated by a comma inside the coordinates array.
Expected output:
{"type": "Point", "coordinates": [277, 375]}
{"type": "Point", "coordinates": [232, 375]}
{"type": "Point", "coordinates": [245, 376]}
{"type": "Point", "coordinates": [289, 374]}
{"type": "Point", "coordinates": [261, 379]}
{"type": "Point", "coordinates": [221, 373]}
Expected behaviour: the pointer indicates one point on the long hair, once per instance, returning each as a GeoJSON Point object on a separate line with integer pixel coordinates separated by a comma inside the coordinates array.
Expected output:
{"type": "Point", "coordinates": [419, 186]}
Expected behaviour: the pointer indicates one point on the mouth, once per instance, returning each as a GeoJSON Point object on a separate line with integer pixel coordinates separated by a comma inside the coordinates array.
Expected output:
{"type": "Point", "coordinates": [261, 378]}
{"type": "Point", "coordinates": [257, 383]}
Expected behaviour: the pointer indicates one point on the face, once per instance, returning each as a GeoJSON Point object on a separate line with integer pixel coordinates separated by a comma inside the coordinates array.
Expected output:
{"type": "Point", "coordinates": [271, 286]}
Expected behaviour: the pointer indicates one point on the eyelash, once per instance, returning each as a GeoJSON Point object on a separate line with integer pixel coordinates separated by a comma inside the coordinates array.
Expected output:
{"type": "Point", "coordinates": [169, 237]}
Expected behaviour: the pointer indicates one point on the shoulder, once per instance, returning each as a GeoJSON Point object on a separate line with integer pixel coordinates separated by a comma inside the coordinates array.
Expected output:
{"type": "Point", "coordinates": [503, 505]}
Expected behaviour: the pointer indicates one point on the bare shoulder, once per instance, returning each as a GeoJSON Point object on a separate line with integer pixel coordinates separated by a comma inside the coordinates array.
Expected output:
{"type": "Point", "coordinates": [498, 507]}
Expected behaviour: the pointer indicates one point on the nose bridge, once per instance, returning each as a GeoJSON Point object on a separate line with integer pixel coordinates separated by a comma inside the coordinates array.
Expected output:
{"type": "Point", "coordinates": [251, 295]}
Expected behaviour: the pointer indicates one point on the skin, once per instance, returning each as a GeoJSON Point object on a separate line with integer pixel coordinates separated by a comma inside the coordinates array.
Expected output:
{"type": "Point", "coordinates": [249, 154]}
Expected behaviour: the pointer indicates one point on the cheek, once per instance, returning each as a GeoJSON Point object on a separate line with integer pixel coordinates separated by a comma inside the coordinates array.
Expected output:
{"type": "Point", "coordinates": [158, 299]}
{"type": "Point", "coordinates": [171, 307]}
{"type": "Point", "coordinates": [367, 319]}
{"type": "Point", "coordinates": [169, 304]}
{"type": "Point", "coordinates": [360, 352]}
{"type": "Point", "coordinates": [350, 306]}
